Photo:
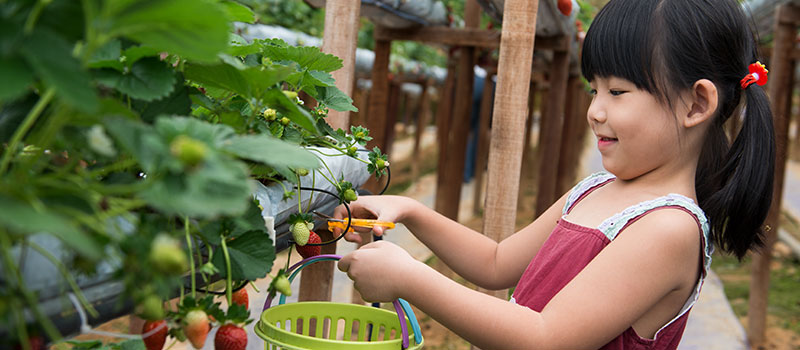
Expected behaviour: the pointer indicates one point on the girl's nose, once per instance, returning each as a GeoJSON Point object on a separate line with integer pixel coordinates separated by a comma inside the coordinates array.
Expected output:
{"type": "Point", "coordinates": [596, 114]}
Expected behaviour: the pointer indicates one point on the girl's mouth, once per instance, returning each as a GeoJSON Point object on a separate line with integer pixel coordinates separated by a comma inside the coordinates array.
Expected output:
{"type": "Point", "coordinates": [605, 142]}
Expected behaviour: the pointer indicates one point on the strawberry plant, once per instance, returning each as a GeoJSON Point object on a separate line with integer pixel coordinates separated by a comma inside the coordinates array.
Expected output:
{"type": "Point", "coordinates": [132, 136]}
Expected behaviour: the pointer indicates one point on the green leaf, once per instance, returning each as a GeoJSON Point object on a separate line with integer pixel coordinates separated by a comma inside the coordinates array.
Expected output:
{"type": "Point", "coordinates": [271, 151]}
{"type": "Point", "coordinates": [13, 113]}
{"type": "Point", "coordinates": [148, 79]}
{"type": "Point", "coordinates": [307, 57]}
{"type": "Point", "coordinates": [274, 98]}
{"type": "Point", "coordinates": [107, 56]}
{"type": "Point", "coordinates": [220, 186]}
{"type": "Point", "coordinates": [334, 98]}
{"type": "Point", "coordinates": [240, 47]}
{"type": "Point", "coordinates": [321, 78]}
{"type": "Point", "coordinates": [212, 134]}
{"type": "Point", "coordinates": [238, 12]}
{"type": "Point", "coordinates": [51, 58]}
{"type": "Point", "coordinates": [251, 82]}
{"type": "Point", "coordinates": [19, 217]}
{"type": "Point", "coordinates": [139, 139]}
{"type": "Point", "coordinates": [177, 103]}
{"type": "Point", "coordinates": [16, 77]}
{"type": "Point", "coordinates": [251, 256]}
{"type": "Point", "coordinates": [193, 29]}
{"type": "Point", "coordinates": [135, 53]}
{"type": "Point", "coordinates": [132, 344]}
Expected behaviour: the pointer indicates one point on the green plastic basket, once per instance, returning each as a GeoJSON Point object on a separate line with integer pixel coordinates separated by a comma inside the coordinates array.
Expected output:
{"type": "Point", "coordinates": [320, 325]}
{"type": "Point", "coordinates": [326, 325]}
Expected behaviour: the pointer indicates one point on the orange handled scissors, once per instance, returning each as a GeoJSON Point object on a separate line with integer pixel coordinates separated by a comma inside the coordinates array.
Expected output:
{"type": "Point", "coordinates": [363, 223]}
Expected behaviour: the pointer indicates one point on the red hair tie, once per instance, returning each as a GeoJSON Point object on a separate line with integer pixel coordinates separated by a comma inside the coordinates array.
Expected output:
{"type": "Point", "coordinates": [758, 75]}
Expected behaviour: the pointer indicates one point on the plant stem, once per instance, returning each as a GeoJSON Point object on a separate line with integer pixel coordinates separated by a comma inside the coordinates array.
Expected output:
{"type": "Point", "coordinates": [299, 200]}
{"type": "Point", "coordinates": [63, 269]}
{"type": "Point", "coordinates": [12, 273]}
{"type": "Point", "coordinates": [22, 331]}
{"type": "Point", "coordinates": [119, 165]}
{"type": "Point", "coordinates": [191, 257]}
{"type": "Point", "coordinates": [23, 128]}
{"type": "Point", "coordinates": [228, 277]}
{"type": "Point", "coordinates": [34, 15]}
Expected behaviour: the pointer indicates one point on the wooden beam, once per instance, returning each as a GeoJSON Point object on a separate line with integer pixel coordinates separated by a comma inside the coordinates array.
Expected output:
{"type": "Point", "coordinates": [550, 138]}
{"type": "Point", "coordinates": [779, 92]}
{"type": "Point", "coordinates": [472, 37]}
{"type": "Point", "coordinates": [340, 38]}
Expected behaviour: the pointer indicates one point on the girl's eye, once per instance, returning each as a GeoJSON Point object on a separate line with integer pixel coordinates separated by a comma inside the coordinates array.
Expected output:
{"type": "Point", "coordinates": [616, 92]}
{"type": "Point", "coordinates": [593, 92]}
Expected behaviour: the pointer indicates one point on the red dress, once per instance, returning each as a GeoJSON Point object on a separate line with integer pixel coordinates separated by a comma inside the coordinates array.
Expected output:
{"type": "Point", "coordinates": [571, 247]}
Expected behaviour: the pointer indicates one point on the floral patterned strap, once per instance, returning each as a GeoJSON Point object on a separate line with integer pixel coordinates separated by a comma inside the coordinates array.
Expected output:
{"type": "Point", "coordinates": [612, 226]}
{"type": "Point", "coordinates": [585, 185]}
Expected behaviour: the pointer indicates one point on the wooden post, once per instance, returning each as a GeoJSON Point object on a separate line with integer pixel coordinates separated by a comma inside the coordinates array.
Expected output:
{"type": "Point", "coordinates": [444, 113]}
{"type": "Point", "coordinates": [572, 137]}
{"type": "Point", "coordinates": [423, 112]}
{"type": "Point", "coordinates": [550, 137]}
{"type": "Point", "coordinates": [378, 98]}
{"type": "Point", "coordinates": [786, 21]}
{"type": "Point", "coordinates": [316, 280]}
{"type": "Point", "coordinates": [447, 204]}
{"type": "Point", "coordinates": [483, 140]}
{"type": "Point", "coordinates": [340, 38]}
{"type": "Point", "coordinates": [392, 109]}
{"type": "Point", "coordinates": [508, 121]}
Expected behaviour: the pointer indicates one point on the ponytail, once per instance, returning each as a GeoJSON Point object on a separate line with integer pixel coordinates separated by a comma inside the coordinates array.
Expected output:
{"type": "Point", "coordinates": [735, 191]}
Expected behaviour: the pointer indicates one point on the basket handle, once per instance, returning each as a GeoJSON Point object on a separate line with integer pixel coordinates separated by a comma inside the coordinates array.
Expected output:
{"type": "Point", "coordinates": [400, 305]}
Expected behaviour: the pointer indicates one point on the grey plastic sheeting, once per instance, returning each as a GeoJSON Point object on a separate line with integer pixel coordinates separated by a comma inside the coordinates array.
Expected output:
{"type": "Point", "coordinates": [400, 13]}
{"type": "Point", "coordinates": [364, 58]}
{"type": "Point", "coordinates": [549, 21]}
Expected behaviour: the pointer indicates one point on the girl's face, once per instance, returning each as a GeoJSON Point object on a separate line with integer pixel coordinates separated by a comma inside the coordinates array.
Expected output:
{"type": "Point", "coordinates": [635, 133]}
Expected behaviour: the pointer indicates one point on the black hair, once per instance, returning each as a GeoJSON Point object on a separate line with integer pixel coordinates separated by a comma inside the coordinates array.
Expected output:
{"type": "Point", "coordinates": [664, 47]}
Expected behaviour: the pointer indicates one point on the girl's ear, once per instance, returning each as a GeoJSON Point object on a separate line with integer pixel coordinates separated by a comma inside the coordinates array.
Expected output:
{"type": "Point", "coordinates": [704, 100]}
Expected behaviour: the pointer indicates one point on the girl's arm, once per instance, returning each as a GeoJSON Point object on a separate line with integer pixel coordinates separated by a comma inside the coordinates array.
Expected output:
{"type": "Point", "coordinates": [642, 267]}
{"type": "Point", "coordinates": [469, 253]}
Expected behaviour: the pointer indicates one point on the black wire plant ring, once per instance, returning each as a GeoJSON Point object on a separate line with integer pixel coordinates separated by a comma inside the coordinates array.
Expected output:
{"type": "Point", "coordinates": [388, 180]}
{"type": "Point", "coordinates": [346, 206]}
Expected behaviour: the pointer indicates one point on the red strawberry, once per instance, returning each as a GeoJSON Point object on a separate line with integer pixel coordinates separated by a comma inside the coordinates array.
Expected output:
{"type": "Point", "coordinates": [196, 327]}
{"type": "Point", "coordinates": [36, 342]}
{"type": "Point", "coordinates": [230, 337]}
{"type": "Point", "coordinates": [308, 251]}
{"type": "Point", "coordinates": [565, 6]}
{"type": "Point", "coordinates": [156, 340]}
{"type": "Point", "coordinates": [240, 297]}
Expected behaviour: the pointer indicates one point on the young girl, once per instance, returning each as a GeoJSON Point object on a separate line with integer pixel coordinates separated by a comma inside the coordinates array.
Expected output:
{"type": "Point", "coordinates": [618, 262]}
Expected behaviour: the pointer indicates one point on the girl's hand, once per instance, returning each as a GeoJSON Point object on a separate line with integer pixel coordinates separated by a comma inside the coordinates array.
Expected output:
{"type": "Point", "coordinates": [379, 270]}
{"type": "Point", "coordinates": [383, 208]}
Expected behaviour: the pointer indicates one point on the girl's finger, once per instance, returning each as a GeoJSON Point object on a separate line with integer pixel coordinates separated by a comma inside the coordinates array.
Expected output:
{"type": "Point", "coordinates": [344, 263]}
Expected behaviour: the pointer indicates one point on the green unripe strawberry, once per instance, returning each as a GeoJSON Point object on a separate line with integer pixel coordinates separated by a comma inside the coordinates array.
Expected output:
{"type": "Point", "coordinates": [191, 152]}
{"type": "Point", "coordinates": [380, 163]}
{"type": "Point", "coordinates": [352, 150]}
{"type": "Point", "coordinates": [151, 308]}
{"type": "Point", "coordinates": [290, 94]}
{"type": "Point", "coordinates": [350, 195]}
{"type": "Point", "coordinates": [300, 233]}
{"type": "Point", "coordinates": [302, 171]}
{"type": "Point", "coordinates": [281, 284]}
{"type": "Point", "coordinates": [285, 121]}
{"type": "Point", "coordinates": [270, 114]}
{"type": "Point", "coordinates": [166, 255]}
